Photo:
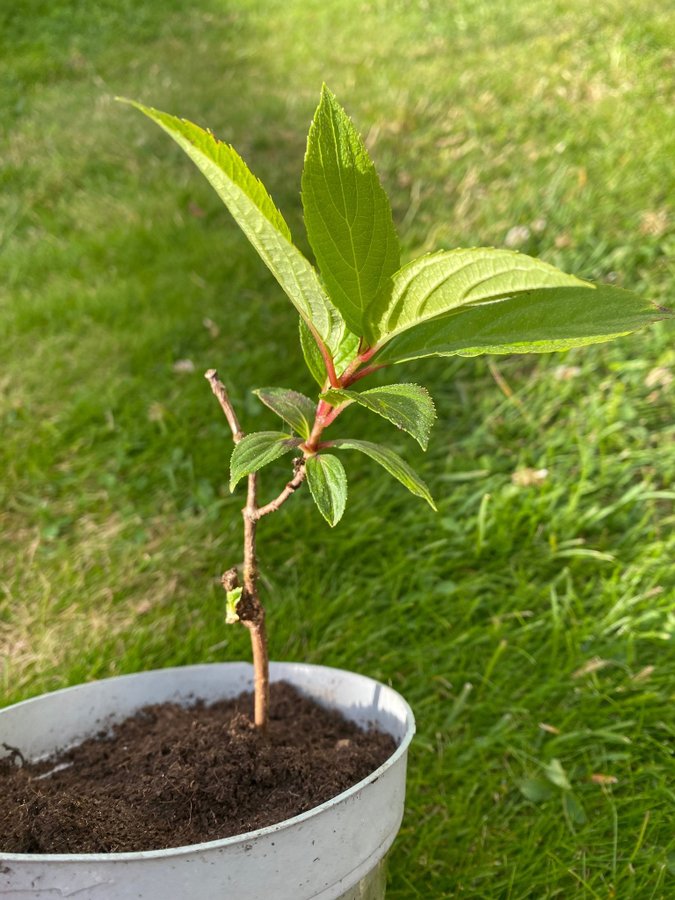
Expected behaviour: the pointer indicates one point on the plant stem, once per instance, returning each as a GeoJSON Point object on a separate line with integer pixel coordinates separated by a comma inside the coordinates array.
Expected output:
{"type": "Point", "coordinates": [323, 411]}
{"type": "Point", "coordinates": [250, 609]}
{"type": "Point", "coordinates": [223, 398]}
{"type": "Point", "coordinates": [290, 489]}
{"type": "Point", "coordinates": [352, 373]}
{"type": "Point", "coordinates": [252, 613]}
{"type": "Point", "coordinates": [361, 373]}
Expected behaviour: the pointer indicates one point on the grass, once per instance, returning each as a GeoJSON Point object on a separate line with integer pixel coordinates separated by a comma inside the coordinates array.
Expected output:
{"type": "Point", "coordinates": [525, 623]}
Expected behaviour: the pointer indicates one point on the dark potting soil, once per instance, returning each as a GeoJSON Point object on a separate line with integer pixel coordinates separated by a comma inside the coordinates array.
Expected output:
{"type": "Point", "coordinates": [171, 776]}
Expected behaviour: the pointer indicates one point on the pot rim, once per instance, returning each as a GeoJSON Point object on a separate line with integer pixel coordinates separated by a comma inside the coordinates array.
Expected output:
{"type": "Point", "coordinates": [246, 836]}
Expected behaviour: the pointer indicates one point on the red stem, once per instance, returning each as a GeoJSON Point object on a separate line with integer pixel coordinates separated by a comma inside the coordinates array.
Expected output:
{"type": "Point", "coordinates": [367, 354]}
{"type": "Point", "coordinates": [361, 373]}
{"type": "Point", "coordinates": [333, 414]}
{"type": "Point", "coordinates": [327, 359]}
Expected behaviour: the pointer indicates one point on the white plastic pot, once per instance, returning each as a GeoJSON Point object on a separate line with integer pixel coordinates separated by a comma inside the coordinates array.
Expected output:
{"type": "Point", "coordinates": [333, 852]}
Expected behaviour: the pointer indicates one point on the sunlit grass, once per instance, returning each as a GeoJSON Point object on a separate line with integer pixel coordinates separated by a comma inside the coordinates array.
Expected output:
{"type": "Point", "coordinates": [526, 622]}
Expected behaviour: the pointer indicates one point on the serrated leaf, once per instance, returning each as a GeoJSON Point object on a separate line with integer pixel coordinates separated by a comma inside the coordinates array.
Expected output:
{"type": "Point", "coordinates": [408, 406]}
{"type": "Point", "coordinates": [294, 408]}
{"type": "Point", "coordinates": [436, 283]}
{"type": "Point", "coordinates": [536, 790]}
{"type": "Point", "coordinates": [347, 215]}
{"type": "Point", "coordinates": [259, 219]}
{"type": "Point", "coordinates": [573, 809]}
{"type": "Point", "coordinates": [556, 775]}
{"type": "Point", "coordinates": [327, 482]}
{"type": "Point", "coordinates": [392, 462]}
{"type": "Point", "coordinates": [468, 302]}
{"type": "Point", "coordinates": [257, 450]}
{"type": "Point", "coordinates": [535, 322]}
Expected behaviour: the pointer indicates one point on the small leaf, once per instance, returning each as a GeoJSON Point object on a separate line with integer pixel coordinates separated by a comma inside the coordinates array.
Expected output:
{"type": "Point", "coordinates": [535, 789]}
{"type": "Point", "coordinates": [294, 408]}
{"type": "Point", "coordinates": [573, 809]}
{"type": "Point", "coordinates": [346, 351]}
{"type": "Point", "coordinates": [257, 216]}
{"type": "Point", "coordinates": [556, 775]}
{"type": "Point", "coordinates": [408, 406]}
{"type": "Point", "coordinates": [347, 215]}
{"type": "Point", "coordinates": [327, 482]}
{"type": "Point", "coordinates": [257, 450]}
{"type": "Point", "coordinates": [392, 462]}
{"type": "Point", "coordinates": [232, 598]}
{"type": "Point", "coordinates": [312, 354]}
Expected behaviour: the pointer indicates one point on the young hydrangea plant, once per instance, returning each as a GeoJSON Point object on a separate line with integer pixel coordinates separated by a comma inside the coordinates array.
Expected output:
{"type": "Point", "coordinates": [363, 311]}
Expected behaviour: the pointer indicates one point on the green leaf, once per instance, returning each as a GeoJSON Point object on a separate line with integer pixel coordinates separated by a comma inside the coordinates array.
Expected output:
{"type": "Point", "coordinates": [556, 775]}
{"type": "Point", "coordinates": [392, 462]}
{"type": "Point", "coordinates": [257, 450]}
{"type": "Point", "coordinates": [347, 215]}
{"type": "Point", "coordinates": [312, 354]}
{"type": "Point", "coordinates": [469, 302]}
{"type": "Point", "coordinates": [408, 406]}
{"type": "Point", "coordinates": [232, 598]}
{"type": "Point", "coordinates": [534, 322]}
{"type": "Point", "coordinates": [438, 282]}
{"type": "Point", "coordinates": [536, 790]}
{"type": "Point", "coordinates": [327, 482]}
{"type": "Point", "coordinates": [294, 408]}
{"type": "Point", "coordinates": [259, 219]}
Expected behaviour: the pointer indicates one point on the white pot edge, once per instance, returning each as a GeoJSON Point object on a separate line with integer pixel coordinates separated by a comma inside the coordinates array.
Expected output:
{"type": "Point", "coordinates": [278, 671]}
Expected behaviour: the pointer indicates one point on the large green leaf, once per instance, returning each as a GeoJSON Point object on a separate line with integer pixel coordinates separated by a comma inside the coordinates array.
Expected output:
{"type": "Point", "coordinates": [259, 219]}
{"type": "Point", "coordinates": [536, 321]}
{"type": "Point", "coordinates": [439, 282]}
{"type": "Point", "coordinates": [257, 450]}
{"type": "Point", "coordinates": [390, 461]}
{"type": "Point", "coordinates": [498, 301]}
{"type": "Point", "coordinates": [294, 408]}
{"type": "Point", "coordinates": [347, 215]}
{"type": "Point", "coordinates": [408, 406]}
{"type": "Point", "coordinates": [327, 482]}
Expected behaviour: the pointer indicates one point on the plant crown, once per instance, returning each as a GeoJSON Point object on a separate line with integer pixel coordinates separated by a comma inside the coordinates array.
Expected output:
{"type": "Point", "coordinates": [362, 310]}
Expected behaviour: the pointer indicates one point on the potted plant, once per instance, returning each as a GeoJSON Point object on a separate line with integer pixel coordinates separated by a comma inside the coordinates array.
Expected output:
{"type": "Point", "coordinates": [363, 313]}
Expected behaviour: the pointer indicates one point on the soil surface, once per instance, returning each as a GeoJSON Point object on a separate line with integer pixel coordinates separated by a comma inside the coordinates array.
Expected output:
{"type": "Point", "coordinates": [171, 776]}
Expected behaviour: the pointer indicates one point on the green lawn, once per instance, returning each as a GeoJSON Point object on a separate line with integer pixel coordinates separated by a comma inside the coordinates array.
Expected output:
{"type": "Point", "coordinates": [526, 623]}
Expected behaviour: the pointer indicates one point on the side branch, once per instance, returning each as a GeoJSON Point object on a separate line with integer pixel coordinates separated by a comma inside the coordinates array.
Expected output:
{"type": "Point", "coordinates": [290, 489]}
{"type": "Point", "coordinates": [223, 398]}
